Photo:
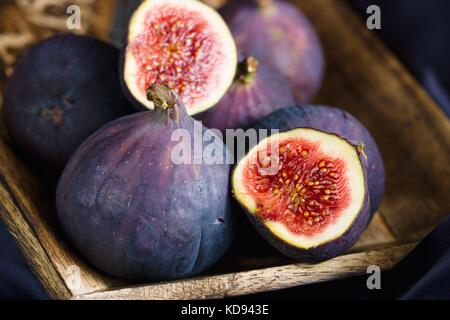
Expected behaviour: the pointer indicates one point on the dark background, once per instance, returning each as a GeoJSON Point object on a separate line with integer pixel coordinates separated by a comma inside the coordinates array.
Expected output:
{"type": "Point", "coordinates": [418, 32]}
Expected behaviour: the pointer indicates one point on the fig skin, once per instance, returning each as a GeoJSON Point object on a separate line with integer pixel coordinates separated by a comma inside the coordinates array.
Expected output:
{"type": "Point", "coordinates": [326, 250]}
{"type": "Point", "coordinates": [62, 90]}
{"type": "Point", "coordinates": [342, 123]}
{"type": "Point", "coordinates": [256, 92]}
{"type": "Point", "coordinates": [134, 213]}
{"type": "Point", "coordinates": [280, 36]}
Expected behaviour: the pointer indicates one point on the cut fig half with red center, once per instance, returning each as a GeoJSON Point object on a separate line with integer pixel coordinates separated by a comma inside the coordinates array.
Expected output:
{"type": "Point", "coordinates": [182, 44]}
{"type": "Point", "coordinates": [305, 191]}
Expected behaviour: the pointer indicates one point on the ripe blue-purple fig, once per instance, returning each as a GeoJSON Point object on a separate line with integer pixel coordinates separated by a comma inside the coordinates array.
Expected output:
{"type": "Point", "coordinates": [62, 90]}
{"type": "Point", "coordinates": [280, 36]}
{"type": "Point", "coordinates": [256, 92]}
{"type": "Point", "coordinates": [132, 210]}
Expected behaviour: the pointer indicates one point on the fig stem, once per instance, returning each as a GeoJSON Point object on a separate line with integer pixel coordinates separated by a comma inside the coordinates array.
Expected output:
{"type": "Point", "coordinates": [264, 3]}
{"type": "Point", "coordinates": [247, 69]}
{"type": "Point", "coordinates": [361, 151]}
{"type": "Point", "coordinates": [162, 96]}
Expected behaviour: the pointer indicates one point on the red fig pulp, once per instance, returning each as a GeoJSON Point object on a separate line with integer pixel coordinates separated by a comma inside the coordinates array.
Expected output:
{"type": "Point", "coordinates": [337, 121]}
{"type": "Point", "coordinates": [184, 45]}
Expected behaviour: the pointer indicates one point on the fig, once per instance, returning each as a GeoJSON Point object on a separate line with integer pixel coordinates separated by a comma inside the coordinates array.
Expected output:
{"type": "Point", "coordinates": [182, 44]}
{"type": "Point", "coordinates": [61, 91]}
{"type": "Point", "coordinates": [132, 210]}
{"type": "Point", "coordinates": [305, 190]}
{"type": "Point", "coordinates": [280, 36]}
{"type": "Point", "coordinates": [334, 120]}
{"type": "Point", "coordinates": [256, 92]}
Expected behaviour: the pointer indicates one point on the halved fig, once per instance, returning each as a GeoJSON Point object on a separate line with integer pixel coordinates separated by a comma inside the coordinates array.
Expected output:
{"type": "Point", "coordinates": [305, 191]}
{"type": "Point", "coordinates": [342, 123]}
{"type": "Point", "coordinates": [182, 44]}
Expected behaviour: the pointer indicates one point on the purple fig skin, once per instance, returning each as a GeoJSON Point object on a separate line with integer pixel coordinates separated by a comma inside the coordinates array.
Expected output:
{"type": "Point", "coordinates": [134, 213]}
{"type": "Point", "coordinates": [61, 91]}
{"type": "Point", "coordinates": [280, 36]}
{"type": "Point", "coordinates": [342, 123]}
{"type": "Point", "coordinates": [247, 102]}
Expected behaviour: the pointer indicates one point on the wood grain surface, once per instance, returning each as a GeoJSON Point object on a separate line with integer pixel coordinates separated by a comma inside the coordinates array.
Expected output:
{"type": "Point", "coordinates": [362, 76]}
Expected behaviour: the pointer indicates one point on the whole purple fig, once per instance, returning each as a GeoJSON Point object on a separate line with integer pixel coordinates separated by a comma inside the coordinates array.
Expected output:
{"type": "Point", "coordinates": [280, 36]}
{"type": "Point", "coordinates": [61, 91]}
{"type": "Point", "coordinates": [133, 211]}
{"type": "Point", "coordinates": [256, 92]}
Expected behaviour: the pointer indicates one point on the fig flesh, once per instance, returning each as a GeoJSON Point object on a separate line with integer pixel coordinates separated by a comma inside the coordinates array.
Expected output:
{"type": "Point", "coordinates": [182, 44]}
{"type": "Point", "coordinates": [337, 121]}
{"type": "Point", "coordinates": [305, 191]}
{"type": "Point", "coordinates": [61, 91]}
{"type": "Point", "coordinates": [135, 213]}
{"type": "Point", "coordinates": [280, 36]}
{"type": "Point", "coordinates": [256, 92]}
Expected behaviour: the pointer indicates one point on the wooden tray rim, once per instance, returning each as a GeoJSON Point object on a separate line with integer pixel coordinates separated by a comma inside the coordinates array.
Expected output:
{"type": "Point", "coordinates": [258, 280]}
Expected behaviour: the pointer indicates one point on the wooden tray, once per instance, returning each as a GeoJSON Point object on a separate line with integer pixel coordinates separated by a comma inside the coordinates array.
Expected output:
{"type": "Point", "coordinates": [362, 76]}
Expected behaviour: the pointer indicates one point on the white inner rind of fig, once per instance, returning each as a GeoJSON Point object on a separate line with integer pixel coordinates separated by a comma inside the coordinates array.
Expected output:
{"type": "Point", "coordinates": [334, 163]}
{"type": "Point", "coordinates": [201, 76]}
